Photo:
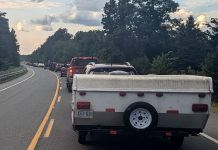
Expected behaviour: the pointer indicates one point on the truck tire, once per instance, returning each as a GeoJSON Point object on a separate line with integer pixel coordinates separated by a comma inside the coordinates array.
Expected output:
{"type": "Point", "coordinates": [82, 137]}
{"type": "Point", "coordinates": [69, 87]}
{"type": "Point", "coordinates": [176, 141]}
{"type": "Point", "coordinates": [140, 117]}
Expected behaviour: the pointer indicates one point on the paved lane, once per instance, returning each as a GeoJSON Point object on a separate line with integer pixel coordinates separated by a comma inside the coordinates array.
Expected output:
{"type": "Point", "coordinates": [23, 106]}
{"type": "Point", "coordinates": [62, 137]}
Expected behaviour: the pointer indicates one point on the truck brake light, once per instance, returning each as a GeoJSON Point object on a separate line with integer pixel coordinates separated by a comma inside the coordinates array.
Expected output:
{"type": "Point", "coordinates": [199, 107]}
{"type": "Point", "coordinates": [83, 105]}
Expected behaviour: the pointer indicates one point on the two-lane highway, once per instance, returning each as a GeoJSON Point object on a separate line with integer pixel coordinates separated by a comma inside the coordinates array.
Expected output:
{"type": "Point", "coordinates": [23, 104]}
{"type": "Point", "coordinates": [26, 101]}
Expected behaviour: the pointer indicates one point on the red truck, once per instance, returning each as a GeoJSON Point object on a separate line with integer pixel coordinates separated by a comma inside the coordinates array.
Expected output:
{"type": "Point", "coordinates": [77, 66]}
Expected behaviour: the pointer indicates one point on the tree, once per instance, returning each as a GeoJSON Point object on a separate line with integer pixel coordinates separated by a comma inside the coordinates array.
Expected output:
{"type": "Point", "coordinates": [142, 65]}
{"type": "Point", "coordinates": [191, 45]}
{"type": "Point", "coordinates": [9, 47]}
{"type": "Point", "coordinates": [136, 27]}
{"type": "Point", "coordinates": [15, 48]}
{"type": "Point", "coordinates": [210, 68]}
{"type": "Point", "coordinates": [210, 65]}
{"type": "Point", "coordinates": [163, 64]}
{"type": "Point", "coordinates": [213, 32]}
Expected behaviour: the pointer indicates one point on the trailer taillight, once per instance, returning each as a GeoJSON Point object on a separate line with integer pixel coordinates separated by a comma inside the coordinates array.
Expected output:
{"type": "Point", "coordinates": [83, 105]}
{"type": "Point", "coordinates": [199, 107]}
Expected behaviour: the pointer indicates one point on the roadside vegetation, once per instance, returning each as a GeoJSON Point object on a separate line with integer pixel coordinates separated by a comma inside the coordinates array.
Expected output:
{"type": "Point", "coordinates": [9, 47]}
{"type": "Point", "coordinates": [215, 107]}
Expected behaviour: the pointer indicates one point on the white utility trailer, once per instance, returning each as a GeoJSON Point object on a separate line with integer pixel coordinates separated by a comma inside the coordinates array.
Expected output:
{"type": "Point", "coordinates": [172, 106]}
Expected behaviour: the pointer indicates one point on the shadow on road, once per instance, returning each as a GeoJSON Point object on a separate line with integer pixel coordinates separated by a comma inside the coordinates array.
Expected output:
{"type": "Point", "coordinates": [127, 143]}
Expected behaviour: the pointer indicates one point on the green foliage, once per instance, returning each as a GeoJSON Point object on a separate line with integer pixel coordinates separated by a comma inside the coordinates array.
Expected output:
{"type": "Point", "coordinates": [136, 27]}
{"type": "Point", "coordinates": [163, 64]}
{"type": "Point", "coordinates": [142, 65]}
{"type": "Point", "coordinates": [191, 46]}
{"type": "Point", "coordinates": [210, 68]}
{"type": "Point", "coordinates": [9, 47]}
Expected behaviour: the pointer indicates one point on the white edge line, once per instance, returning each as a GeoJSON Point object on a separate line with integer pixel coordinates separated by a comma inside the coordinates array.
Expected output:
{"type": "Point", "coordinates": [209, 138]}
{"type": "Point", "coordinates": [19, 82]}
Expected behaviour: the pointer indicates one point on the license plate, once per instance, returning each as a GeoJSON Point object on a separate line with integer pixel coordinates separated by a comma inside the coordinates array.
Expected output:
{"type": "Point", "coordinates": [84, 114]}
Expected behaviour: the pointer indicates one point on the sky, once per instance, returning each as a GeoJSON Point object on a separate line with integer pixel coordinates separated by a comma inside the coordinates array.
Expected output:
{"type": "Point", "coordinates": [35, 20]}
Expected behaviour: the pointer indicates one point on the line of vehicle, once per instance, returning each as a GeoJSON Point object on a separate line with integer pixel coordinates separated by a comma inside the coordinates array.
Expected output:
{"type": "Point", "coordinates": [38, 133]}
{"type": "Point", "coordinates": [33, 74]}
{"type": "Point", "coordinates": [209, 137]}
{"type": "Point", "coordinates": [49, 128]}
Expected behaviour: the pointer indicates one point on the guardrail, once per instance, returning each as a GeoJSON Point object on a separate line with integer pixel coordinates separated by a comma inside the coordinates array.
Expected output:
{"type": "Point", "coordinates": [11, 75]}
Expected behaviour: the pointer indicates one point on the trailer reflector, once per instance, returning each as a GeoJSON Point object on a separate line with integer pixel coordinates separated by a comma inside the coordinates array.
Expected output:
{"type": "Point", "coordinates": [110, 110]}
{"type": "Point", "coordinates": [113, 132]}
{"type": "Point", "coordinates": [172, 112]}
{"type": "Point", "coordinates": [199, 107]}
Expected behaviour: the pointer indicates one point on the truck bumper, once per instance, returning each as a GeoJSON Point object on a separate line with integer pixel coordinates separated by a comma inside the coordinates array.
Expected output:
{"type": "Point", "coordinates": [172, 121]}
{"type": "Point", "coordinates": [158, 132]}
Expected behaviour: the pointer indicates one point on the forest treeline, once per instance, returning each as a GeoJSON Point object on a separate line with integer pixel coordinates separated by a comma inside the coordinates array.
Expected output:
{"type": "Point", "coordinates": [145, 34]}
{"type": "Point", "coordinates": [9, 47]}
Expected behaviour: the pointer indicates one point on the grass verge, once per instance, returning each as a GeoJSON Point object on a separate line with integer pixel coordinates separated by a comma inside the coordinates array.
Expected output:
{"type": "Point", "coordinates": [215, 107]}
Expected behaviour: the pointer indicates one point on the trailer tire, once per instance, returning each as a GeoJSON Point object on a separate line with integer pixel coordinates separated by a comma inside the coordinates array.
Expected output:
{"type": "Point", "coordinates": [140, 117]}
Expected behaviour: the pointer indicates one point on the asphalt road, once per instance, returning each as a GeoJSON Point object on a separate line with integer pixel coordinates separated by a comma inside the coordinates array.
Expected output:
{"type": "Point", "coordinates": [23, 107]}
{"type": "Point", "coordinates": [23, 104]}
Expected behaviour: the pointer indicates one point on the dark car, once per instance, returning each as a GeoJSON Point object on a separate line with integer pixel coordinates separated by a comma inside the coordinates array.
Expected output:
{"type": "Point", "coordinates": [110, 69]}
{"type": "Point", "coordinates": [64, 70]}
{"type": "Point", "coordinates": [52, 66]}
{"type": "Point", "coordinates": [58, 67]}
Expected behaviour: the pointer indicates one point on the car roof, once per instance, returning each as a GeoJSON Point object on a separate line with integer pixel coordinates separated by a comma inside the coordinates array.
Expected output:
{"type": "Point", "coordinates": [84, 58]}
{"type": "Point", "coordinates": [111, 66]}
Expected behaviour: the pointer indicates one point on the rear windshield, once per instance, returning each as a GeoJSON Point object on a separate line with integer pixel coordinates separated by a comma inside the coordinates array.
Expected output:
{"type": "Point", "coordinates": [82, 62]}
{"type": "Point", "coordinates": [131, 71]}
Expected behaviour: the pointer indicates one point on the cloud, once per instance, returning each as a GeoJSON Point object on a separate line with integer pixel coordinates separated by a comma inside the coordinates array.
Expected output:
{"type": "Point", "coordinates": [38, 1]}
{"type": "Point", "coordinates": [22, 26]}
{"type": "Point", "coordinates": [46, 20]}
{"type": "Point", "coordinates": [181, 13]}
{"type": "Point", "coordinates": [90, 5]}
{"type": "Point", "coordinates": [88, 18]}
{"type": "Point", "coordinates": [20, 4]}
{"type": "Point", "coordinates": [43, 28]}
{"type": "Point", "coordinates": [208, 8]}
{"type": "Point", "coordinates": [84, 12]}
{"type": "Point", "coordinates": [201, 21]}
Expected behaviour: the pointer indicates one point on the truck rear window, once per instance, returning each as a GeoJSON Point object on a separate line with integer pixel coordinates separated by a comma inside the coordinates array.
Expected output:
{"type": "Point", "coordinates": [82, 62]}
{"type": "Point", "coordinates": [108, 70]}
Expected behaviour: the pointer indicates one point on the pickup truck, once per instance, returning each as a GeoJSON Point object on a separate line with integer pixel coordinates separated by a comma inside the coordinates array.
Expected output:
{"type": "Point", "coordinates": [171, 106]}
{"type": "Point", "coordinates": [77, 65]}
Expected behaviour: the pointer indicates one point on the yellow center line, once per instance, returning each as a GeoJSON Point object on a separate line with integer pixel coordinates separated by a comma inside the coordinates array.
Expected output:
{"type": "Point", "coordinates": [48, 131]}
{"type": "Point", "coordinates": [38, 133]}
{"type": "Point", "coordinates": [59, 99]}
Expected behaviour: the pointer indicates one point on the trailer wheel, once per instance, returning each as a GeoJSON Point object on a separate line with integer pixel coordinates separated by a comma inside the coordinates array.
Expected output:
{"type": "Point", "coordinates": [82, 137]}
{"type": "Point", "coordinates": [176, 141]}
{"type": "Point", "coordinates": [140, 116]}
